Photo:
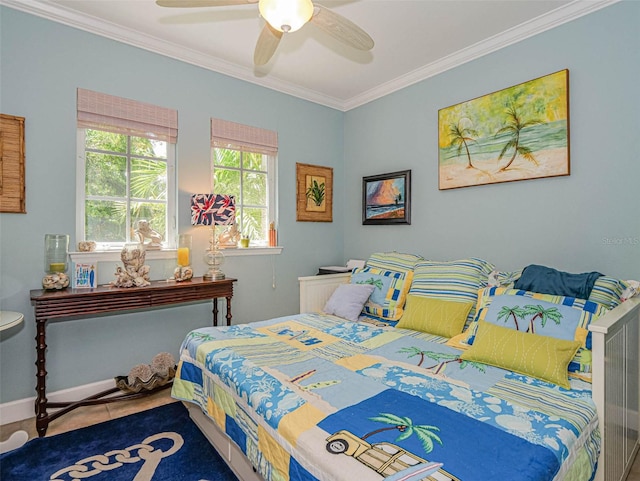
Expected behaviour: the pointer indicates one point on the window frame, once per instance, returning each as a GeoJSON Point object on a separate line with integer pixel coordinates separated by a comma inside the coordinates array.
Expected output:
{"type": "Point", "coordinates": [272, 208]}
{"type": "Point", "coordinates": [169, 242]}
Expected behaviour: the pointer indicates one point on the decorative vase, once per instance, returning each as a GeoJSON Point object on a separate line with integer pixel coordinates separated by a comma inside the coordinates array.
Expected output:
{"type": "Point", "coordinates": [56, 252]}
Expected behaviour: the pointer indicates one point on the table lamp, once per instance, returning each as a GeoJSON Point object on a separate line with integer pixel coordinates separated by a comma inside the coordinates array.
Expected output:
{"type": "Point", "coordinates": [212, 210]}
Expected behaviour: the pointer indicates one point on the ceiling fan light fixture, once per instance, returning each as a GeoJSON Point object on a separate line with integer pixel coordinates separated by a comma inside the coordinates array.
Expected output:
{"type": "Point", "coordinates": [286, 15]}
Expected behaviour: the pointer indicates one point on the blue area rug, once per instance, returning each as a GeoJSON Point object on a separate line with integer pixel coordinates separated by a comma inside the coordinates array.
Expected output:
{"type": "Point", "coordinates": [161, 444]}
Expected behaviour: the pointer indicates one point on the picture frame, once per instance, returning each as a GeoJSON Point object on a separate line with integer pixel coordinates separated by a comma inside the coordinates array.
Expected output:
{"type": "Point", "coordinates": [517, 133]}
{"type": "Point", "coordinates": [85, 275]}
{"type": "Point", "coordinates": [314, 193]}
{"type": "Point", "coordinates": [12, 159]}
{"type": "Point", "coordinates": [386, 198]}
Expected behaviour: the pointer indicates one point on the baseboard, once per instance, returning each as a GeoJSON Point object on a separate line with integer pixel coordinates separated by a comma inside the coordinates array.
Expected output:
{"type": "Point", "coordinates": [25, 408]}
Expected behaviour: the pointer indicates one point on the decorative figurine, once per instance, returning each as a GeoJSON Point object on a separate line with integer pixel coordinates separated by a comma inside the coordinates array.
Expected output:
{"type": "Point", "coordinates": [147, 236]}
{"type": "Point", "coordinates": [135, 273]}
{"type": "Point", "coordinates": [229, 238]}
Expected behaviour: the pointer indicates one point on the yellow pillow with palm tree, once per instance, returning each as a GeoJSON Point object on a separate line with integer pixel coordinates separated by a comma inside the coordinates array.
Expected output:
{"type": "Point", "coordinates": [560, 317]}
{"type": "Point", "coordinates": [542, 357]}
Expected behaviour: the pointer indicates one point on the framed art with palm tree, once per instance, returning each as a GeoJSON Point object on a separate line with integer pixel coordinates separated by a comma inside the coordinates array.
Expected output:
{"type": "Point", "coordinates": [518, 133]}
{"type": "Point", "coordinates": [314, 193]}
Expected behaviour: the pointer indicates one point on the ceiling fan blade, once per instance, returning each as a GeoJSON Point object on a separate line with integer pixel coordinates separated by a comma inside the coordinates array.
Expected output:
{"type": "Point", "coordinates": [340, 28]}
{"type": "Point", "coordinates": [267, 44]}
{"type": "Point", "coordinates": [201, 3]}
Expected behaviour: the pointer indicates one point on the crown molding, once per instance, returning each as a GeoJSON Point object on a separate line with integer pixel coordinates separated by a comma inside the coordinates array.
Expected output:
{"type": "Point", "coordinates": [555, 18]}
{"type": "Point", "coordinates": [65, 16]}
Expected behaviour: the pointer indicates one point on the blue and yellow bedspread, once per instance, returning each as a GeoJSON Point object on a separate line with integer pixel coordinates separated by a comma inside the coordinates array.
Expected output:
{"type": "Point", "coordinates": [314, 397]}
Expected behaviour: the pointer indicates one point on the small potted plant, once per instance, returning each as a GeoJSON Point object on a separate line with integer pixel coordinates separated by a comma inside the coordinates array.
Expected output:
{"type": "Point", "coordinates": [244, 240]}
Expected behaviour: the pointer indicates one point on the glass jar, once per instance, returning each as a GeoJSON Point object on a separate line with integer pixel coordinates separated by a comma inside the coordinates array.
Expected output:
{"type": "Point", "coordinates": [184, 250]}
{"type": "Point", "coordinates": [56, 253]}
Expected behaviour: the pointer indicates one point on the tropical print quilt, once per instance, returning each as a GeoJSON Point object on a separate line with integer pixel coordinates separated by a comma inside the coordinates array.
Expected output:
{"type": "Point", "coordinates": [315, 397]}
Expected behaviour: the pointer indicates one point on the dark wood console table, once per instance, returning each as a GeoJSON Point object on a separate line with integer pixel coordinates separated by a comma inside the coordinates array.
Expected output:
{"type": "Point", "coordinates": [70, 303]}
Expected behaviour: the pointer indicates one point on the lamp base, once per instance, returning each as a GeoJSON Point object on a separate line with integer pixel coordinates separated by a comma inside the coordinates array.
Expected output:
{"type": "Point", "coordinates": [212, 275]}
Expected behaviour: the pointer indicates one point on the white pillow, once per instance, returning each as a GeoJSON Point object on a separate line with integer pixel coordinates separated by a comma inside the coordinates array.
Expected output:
{"type": "Point", "coordinates": [348, 300]}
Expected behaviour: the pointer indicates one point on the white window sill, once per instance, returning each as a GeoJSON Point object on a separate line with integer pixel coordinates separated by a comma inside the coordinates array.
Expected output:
{"type": "Point", "coordinates": [114, 255]}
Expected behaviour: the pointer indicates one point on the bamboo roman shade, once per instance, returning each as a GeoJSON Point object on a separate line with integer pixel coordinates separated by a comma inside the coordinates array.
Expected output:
{"type": "Point", "coordinates": [230, 135]}
{"type": "Point", "coordinates": [124, 116]}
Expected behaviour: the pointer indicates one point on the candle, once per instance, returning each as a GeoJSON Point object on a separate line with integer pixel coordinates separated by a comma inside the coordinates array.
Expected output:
{"type": "Point", "coordinates": [57, 267]}
{"type": "Point", "coordinates": [183, 256]}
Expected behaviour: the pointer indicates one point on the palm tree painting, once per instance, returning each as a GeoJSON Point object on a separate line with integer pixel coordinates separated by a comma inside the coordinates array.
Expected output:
{"type": "Point", "coordinates": [462, 136]}
{"type": "Point", "coordinates": [514, 126]}
{"type": "Point", "coordinates": [518, 133]}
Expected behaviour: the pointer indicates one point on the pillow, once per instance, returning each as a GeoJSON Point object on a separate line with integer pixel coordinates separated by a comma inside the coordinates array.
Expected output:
{"type": "Point", "coordinates": [348, 300]}
{"type": "Point", "coordinates": [547, 280]}
{"type": "Point", "coordinates": [555, 316]}
{"type": "Point", "coordinates": [542, 357]}
{"type": "Point", "coordinates": [434, 316]}
{"type": "Point", "coordinates": [393, 261]}
{"type": "Point", "coordinates": [390, 291]}
{"type": "Point", "coordinates": [457, 280]}
{"type": "Point", "coordinates": [503, 278]}
{"type": "Point", "coordinates": [587, 312]}
{"type": "Point", "coordinates": [607, 291]}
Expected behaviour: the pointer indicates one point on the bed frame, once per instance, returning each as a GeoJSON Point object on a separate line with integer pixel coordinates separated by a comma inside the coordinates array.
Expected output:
{"type": "Point", "coordinates": [616, 390]}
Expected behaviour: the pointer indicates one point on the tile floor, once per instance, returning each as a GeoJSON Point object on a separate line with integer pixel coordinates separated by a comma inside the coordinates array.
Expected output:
{"type": "Point", "coordinates": [88, 415]}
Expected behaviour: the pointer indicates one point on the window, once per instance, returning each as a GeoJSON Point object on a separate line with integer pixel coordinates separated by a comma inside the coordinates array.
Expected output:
{"type": "Point", "coordinates": [126, 169]}
{"type": "Point", "coordinates": [244, 165]}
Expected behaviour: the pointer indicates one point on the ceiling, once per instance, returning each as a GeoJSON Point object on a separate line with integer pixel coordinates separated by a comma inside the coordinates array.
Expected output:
{"type": "Point", "coordinates": [414, 39]}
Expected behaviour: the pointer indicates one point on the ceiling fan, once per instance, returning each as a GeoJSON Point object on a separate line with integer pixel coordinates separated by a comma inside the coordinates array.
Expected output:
{"type": "Point", "coordinates": [286, 16]}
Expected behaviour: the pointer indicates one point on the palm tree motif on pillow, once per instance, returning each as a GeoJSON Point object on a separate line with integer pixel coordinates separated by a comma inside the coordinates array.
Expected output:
{"type": "Point", "coordinates": [533, 312]}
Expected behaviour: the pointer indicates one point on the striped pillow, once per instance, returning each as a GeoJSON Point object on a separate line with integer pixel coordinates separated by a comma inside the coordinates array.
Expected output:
{"type": "Point", "coordinates": [393, 261]}
{"type": "Point", "coordinates": [457, 280]}
{"type": "Point", "coordinates": [607, 291]}
{"type": "Point", "coordinates": [388, 298]}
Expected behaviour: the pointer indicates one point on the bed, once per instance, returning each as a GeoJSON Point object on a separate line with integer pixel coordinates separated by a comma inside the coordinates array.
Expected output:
{"type": "Point", "coordinates": [317, 396]}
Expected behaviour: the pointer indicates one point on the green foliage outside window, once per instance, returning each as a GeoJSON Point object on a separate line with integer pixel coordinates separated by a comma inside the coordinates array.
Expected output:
{"type": "Point", "coordinates": [244, 175]}
{"type": "Point", "coordinates": [115, 162]}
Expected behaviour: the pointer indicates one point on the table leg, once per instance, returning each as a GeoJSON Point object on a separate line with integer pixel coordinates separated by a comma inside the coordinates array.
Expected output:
{"type": "Point", "coordinates": [42, 418]}
{"type": "Point", "coordinates": [215, 311]}
{"type": "Point", "coordinates": [229, 316]}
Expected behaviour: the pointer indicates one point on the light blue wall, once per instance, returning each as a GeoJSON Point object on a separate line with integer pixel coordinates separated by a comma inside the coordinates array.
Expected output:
{"type": "Point", "coordinates": [42, 65]}
{"type": "Point", "coordinates": [586, 221]}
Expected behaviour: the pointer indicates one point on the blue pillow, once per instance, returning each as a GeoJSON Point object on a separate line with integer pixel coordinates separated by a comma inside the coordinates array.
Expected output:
{"type": "Point", "coordinates": [534, 316]}
{"type": "Point", "coordinates": [348, 300]}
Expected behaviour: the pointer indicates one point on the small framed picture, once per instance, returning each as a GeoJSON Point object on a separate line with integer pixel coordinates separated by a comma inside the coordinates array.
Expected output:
{"type": "Point", "coordinates": [314, 192]}
{"type": "Point", "coordinates": [85, 275]}
{"type": "Point", "coordinates": [386, 198]}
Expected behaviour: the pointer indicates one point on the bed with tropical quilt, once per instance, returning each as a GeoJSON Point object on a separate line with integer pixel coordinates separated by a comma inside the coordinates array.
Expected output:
{"type": "Point", "coordinates": [356, 395]}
